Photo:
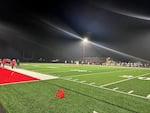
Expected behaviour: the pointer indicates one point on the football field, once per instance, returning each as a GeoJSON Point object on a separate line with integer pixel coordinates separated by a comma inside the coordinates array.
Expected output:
{"type": "Point", "coordinates": [88, 89]}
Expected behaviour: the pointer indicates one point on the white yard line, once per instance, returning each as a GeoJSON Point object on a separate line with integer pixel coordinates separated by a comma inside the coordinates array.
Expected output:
{"type": "Point", "coordinates": [33, 74]}
{"type": "Point", "coordinates": [124, 80]}
{"type": "Point", "coordinates": [100, 87]}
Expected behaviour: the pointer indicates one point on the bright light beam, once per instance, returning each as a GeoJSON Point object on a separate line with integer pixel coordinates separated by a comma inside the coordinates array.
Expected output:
{"type": "Point", "coordinates": [116, 10]}
{"type": "Point", "coordinates": [93, 43]}
{"type": "Point", "coordinates": [127, 13]}
{"type": "Point", "coordinates": [85, 40]}
{"type": "Point", "coordinates": [62, 30]}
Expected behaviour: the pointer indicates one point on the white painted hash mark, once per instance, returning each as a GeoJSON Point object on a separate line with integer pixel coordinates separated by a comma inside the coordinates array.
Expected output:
{"type": "Point", "coordinates": [115, 88]}
{"type": "Point", "coordinates": [101, 87]}
{"type": "Point", "coordinates": [130, 92]}
{"type": "Point", "coordinates": [127, 76]}
{"type": "Point", "coordinates": [148, 96]}
{"type": "Point", "coordinates": [144, 78]}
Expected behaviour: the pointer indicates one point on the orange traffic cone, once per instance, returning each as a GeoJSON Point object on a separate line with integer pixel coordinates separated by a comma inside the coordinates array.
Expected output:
{"type": "Point", "coordinates": [60, 93]}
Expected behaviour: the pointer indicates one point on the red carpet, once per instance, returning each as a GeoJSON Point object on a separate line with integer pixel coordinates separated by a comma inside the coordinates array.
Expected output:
{"type": "Point", "coordinates": [8, 76]}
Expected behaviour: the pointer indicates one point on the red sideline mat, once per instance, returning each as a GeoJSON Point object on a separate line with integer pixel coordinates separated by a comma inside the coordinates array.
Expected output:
{"type": "Point", "coordinates": [8, 77]}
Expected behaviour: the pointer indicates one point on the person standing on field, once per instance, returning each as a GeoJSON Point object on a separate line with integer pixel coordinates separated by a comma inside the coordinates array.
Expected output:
{"type": "Point", "coordinates": [0, 62]}
{"type": "Point", "coordinates": [13, 63]}
{"type": "Point", "coordinates": [18, 62]}
{"type": "Point", "coordinates": [3, 63]}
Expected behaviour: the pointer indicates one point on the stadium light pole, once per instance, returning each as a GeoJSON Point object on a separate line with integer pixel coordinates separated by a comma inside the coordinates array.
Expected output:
{"type": "Point", "coordinates": [85, 40]}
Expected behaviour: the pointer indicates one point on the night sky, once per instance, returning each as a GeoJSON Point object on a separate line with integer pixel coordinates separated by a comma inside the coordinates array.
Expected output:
{"type": "Point", "coordinates": [121, 25]}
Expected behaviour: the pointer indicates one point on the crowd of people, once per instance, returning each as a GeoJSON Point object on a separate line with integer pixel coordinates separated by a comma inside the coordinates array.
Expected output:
{"type": "Point", "coordinates": [12, 62]}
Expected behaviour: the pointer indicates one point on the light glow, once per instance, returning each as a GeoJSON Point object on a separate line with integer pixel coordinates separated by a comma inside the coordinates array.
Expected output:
{"type": "Point", "coordinates": [85, 40]}
{"type": "Point", "coordinates": [93, 43]}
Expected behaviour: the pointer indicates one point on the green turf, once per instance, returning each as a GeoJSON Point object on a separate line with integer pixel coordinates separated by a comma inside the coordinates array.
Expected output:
{"type": "Point", "coordinates": [39, 97]}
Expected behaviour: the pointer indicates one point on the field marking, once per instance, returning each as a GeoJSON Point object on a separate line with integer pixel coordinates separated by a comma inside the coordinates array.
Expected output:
{"type": "Point", "coordinates": [101, 87]}
{"type": "Point", "coordinates": [124, 80]}
{"type": "Point", "coordinates": [115, 88]}
{"type": "Point", "coordinates": [79, 70]}
{"type": "Point", "coordinates": [75, 79]}
{"type": "Point", "coordinates": [127, 76]}
{"type": "Point", "coordinates": [134, 95]}
{"type": "Point", "coordinates": [130, 92]}
{"type": "Point", "coordinates": [92, 83]}
{"type": "Point", "coordinates": [95, 73]}
{"type": "Point", "coordinates": [33, 74]}
{"type": "Point", "coordinates": [82, 81]}
{"type": "Point", "coordinates": [148, 96]}
{"type": "Point", "coordinates": [144, 78]}
{"type": "Point", "coordinates": [95, 112]}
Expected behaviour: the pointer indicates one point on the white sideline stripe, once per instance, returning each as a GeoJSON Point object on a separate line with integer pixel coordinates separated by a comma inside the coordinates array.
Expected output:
{"type": "Point", "coordinates": [33, 74]}
{"type": "Point", "coordinates": [115, 88]}
{"type": "Point", "coordinates": [148, 96]}
{"type": "Point", "coordinates": [124, 80]}
{"type": "Point", "coordinates": [134, 95]}
{"type": "Point", "coordinates": [96, 73]}
{"type": "Point", "coordinates": [92, 83]}
{"type": "Point", "coordinates": [130, 92]}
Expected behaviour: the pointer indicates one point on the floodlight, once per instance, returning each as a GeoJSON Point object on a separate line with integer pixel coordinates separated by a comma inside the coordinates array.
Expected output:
{"type": "Point", "coordinates": [85, 40]}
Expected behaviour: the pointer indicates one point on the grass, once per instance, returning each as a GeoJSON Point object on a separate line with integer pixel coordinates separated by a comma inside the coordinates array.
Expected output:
{"type": "Point", "coordinates": [39, 97]}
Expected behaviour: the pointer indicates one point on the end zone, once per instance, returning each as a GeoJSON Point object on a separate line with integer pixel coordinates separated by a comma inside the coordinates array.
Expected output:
{"type": "Point", "coordinates": [13, 76]}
